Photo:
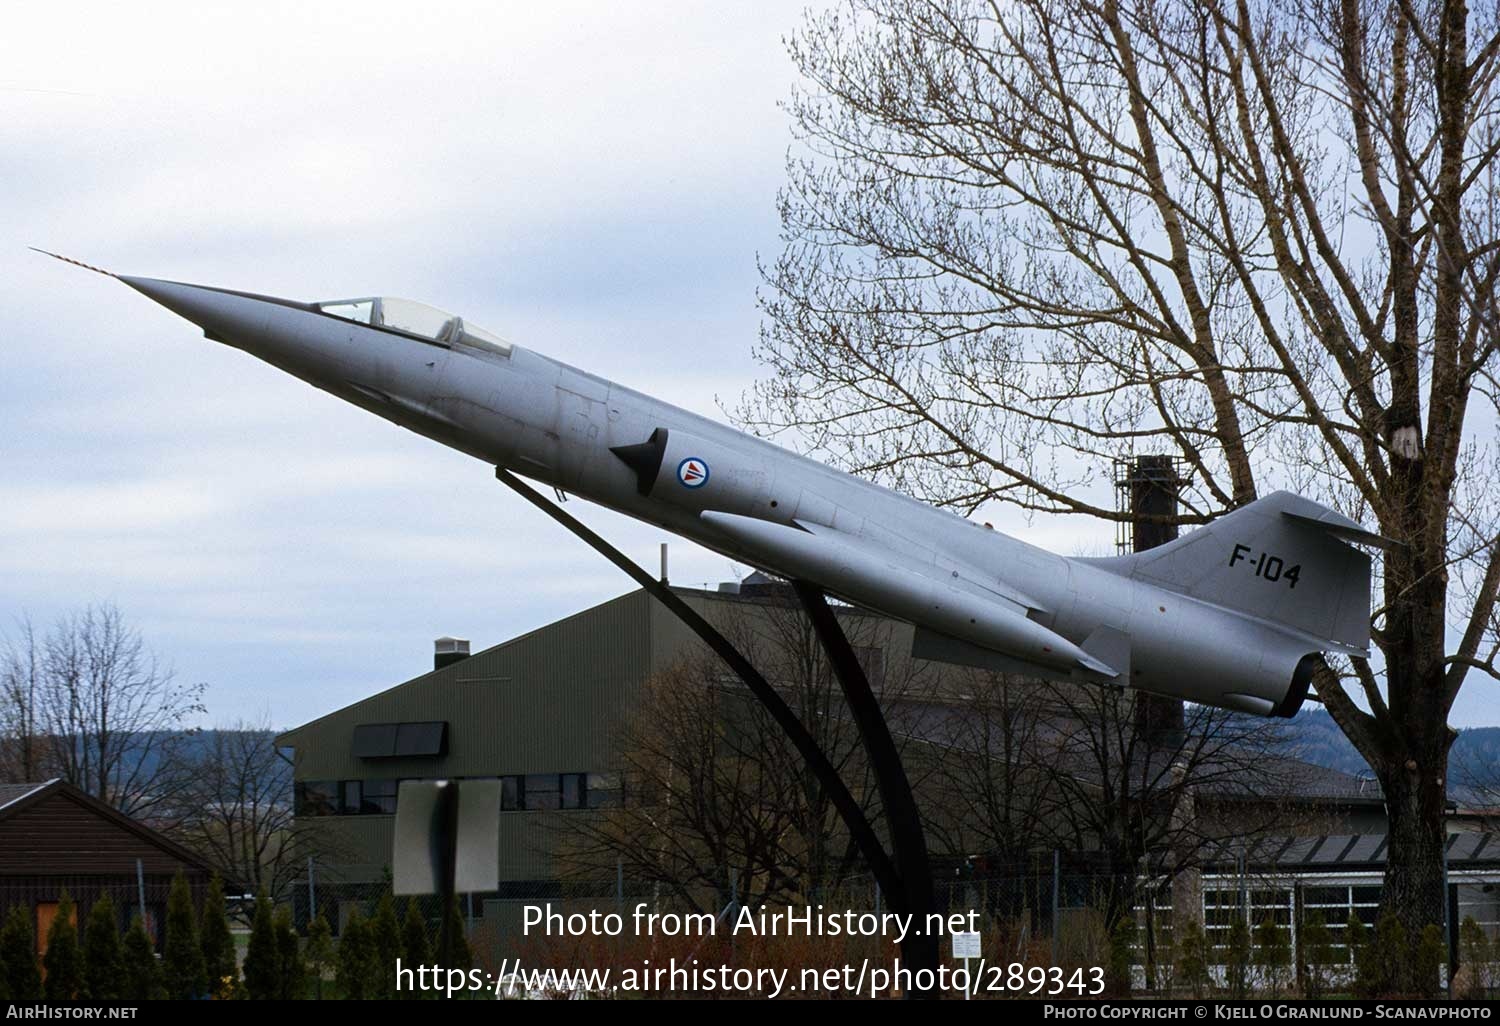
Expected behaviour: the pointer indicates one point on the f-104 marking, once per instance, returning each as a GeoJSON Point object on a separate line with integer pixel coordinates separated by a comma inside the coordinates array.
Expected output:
{"type": "Point", "coordinates": [1268, 567]}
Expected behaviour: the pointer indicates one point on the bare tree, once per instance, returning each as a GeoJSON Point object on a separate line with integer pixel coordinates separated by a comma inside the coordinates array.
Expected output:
{"type": "Point", "coordinates": [1026, 766]}
{"type": "Point", "coordinates": [718, 800]}
{"type": "Point", "coordinates": [1260, 235]}
{"type": "Point", "coordinates": [21, 682]}
{"type": "Point", "coordinates": [236, 810]}
{"type": "Point", "coordinates": [91, 703]}
{"type": "Point", "coordinates": [1138, 798]}
{"type": "Point", "coordinates": [988, 790]}
{"type": "Point", "coordinates": [699, 819]}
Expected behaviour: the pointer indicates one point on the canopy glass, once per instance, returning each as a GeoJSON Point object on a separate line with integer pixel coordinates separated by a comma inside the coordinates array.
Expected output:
{"type": "Point", "coordinates": [409, 317]}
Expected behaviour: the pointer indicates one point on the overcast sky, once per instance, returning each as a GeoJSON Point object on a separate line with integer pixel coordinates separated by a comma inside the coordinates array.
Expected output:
{"type": "Point", "coordinates": [593, 181]}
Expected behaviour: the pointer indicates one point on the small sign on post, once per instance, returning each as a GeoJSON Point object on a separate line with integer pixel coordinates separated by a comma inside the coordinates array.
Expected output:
{"type": "Point", "coordinates": [447, 832]}
{"type": "Point", "coordinates": [447, 842]}
{"type": "Point", "coordinates": [966, 946]}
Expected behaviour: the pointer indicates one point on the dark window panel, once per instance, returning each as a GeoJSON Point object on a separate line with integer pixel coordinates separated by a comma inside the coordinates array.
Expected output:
{"type": "Point", "coordinates": [379, 797]}
{"type": "Point", "coordinates": [317, 798]}
{"type": "Point", "coordinates": [543, 791]}
{"type": "Point", "coordinates": [422, 738]}
{"type": "Point", "coordinates": [572, 790]}
{"type": "Point", "coordinates": [350, 805]}
{"type": "Point", "coordinates": [512, 794]}
{"type": "Point", "coordinates": [604, 791]}
{"type": "Point", "coordinates": [388, 740]}
{"type": "Point", "coordinates": [374, 740]}
{"type": "Point", "coordinates": [1326, 896]}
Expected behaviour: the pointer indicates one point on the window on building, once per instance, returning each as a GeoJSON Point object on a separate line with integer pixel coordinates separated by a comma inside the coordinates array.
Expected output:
{"type": "Point", "coordinates": [543, 791]}
{"type": "Point", "coordinates": [1335, 903]}
{"type": "Point", "coordinates": [1481, 901]}
{"type": "Point", "coordinates": [350, 803]}
{"type": "Point", "coordinates": [379, 797]}
{"type": "Point", "coordinates": [574, 790]}
{"type": "Point", "coordinates": [316, 798]}
{"type": "Point", "coordinates": [605, 791]}
{"type": "Point", "coordinates": [1274, 903]}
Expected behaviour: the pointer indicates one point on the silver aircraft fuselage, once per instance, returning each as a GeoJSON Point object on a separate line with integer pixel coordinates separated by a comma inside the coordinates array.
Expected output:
{"type": "Point", "coordinates": [1177, 625]}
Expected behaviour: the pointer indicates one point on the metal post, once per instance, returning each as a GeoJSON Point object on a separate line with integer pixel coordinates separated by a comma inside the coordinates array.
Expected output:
{"type": "Point", "coordinates": [140, 892]}
{"type": "Point", "coordinates": [1244, 892]}
{"type": "Point", "coordinates": [1150, 959]}
{"type": "Point", "coordinates": [447, 823]}
{"type": "Point", "coordinates": [1056, 888]}
{"type": "Point", "coordinates": [1447, 919]}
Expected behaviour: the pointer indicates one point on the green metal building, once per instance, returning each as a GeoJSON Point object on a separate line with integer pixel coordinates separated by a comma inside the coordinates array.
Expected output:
{"type": "Point", "coordinates": [540, 712]}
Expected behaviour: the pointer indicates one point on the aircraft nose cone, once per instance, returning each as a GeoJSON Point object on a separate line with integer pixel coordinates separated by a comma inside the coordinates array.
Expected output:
{"type": "Point", "coordinates": [223, 316]}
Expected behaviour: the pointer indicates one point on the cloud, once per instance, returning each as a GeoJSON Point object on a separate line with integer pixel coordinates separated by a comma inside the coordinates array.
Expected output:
{"type": "Point", "coordinates": [591, 180]}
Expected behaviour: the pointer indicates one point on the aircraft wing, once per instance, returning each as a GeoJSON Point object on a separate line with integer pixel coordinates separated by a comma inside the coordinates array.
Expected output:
{"type": "Point", "coordinates": [925, 595]}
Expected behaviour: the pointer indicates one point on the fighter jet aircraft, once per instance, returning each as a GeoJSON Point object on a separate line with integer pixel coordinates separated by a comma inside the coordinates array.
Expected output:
{"type": "Point", "coordinates": [1232, 614]}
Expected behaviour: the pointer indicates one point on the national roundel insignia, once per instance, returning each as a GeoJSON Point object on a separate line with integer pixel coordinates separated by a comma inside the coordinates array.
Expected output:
{"type": "Point", "coordinates": [692, 472]}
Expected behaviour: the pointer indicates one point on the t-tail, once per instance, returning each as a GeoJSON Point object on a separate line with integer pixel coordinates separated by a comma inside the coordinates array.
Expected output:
{"type": "Point", "coordinates": [1282, 559]}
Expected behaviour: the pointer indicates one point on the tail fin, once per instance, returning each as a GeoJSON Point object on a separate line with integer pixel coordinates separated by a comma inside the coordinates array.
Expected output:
{"type": "Point", "coordinates": [1282, 558]}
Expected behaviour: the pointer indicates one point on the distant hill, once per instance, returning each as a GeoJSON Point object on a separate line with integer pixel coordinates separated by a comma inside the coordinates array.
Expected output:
{"type": "Point", "coordinates": [142, 759]}
{"type": "Point", "coordinates": [1475, 757]}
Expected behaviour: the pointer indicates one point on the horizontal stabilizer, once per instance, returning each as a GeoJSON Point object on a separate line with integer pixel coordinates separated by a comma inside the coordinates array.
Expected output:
{"type": "Point", "coordinates": [1340, 527]}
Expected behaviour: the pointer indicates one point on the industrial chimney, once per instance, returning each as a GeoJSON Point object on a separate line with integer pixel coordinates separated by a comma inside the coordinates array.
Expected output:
{"type": "Point", "coordinates": [447, 651]}
{"type": "Point", "coordinates": [1152, 486]}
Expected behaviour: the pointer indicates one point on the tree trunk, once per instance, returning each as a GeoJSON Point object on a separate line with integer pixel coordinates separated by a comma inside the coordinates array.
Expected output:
{"type": "Point", "coordinates": [1416, 807]}
{"type": "Point", "coordinates": [1416, 810]}
{"type": "Point", "coordinates": [1411, 753]}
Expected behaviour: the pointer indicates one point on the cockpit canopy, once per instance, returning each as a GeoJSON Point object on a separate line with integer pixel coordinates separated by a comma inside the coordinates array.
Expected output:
{"type": "Point", "coordinates": [408, 317]}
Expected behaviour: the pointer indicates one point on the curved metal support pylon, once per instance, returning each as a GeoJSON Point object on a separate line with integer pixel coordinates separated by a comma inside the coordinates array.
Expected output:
{"type": "Point", "coordinates": [920, 949]}
{"type": "Point", "coordinates": [828, 777]}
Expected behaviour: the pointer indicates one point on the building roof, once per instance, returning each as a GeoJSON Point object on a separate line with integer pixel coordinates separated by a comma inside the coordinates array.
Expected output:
{"type": "Point", "coordinates": [1336, 852]}
{"type": "Point", "coordinates": [10, 793]}
{"type": "Point", "coordinates": [29, 843]}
